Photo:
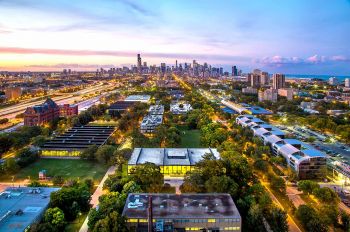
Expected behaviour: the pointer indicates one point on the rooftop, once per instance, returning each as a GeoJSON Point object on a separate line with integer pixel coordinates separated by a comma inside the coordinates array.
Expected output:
{"type": "Point", "coordinates": [179, 206]}
{"type": "Point", "coordinates": [140, 98]}
{"type": "Point", "coordinates": [20, 207]}
{"type": "Point", "coordinates": [79, 138]}
{"type": "Point", "coordinates": [170, 156]}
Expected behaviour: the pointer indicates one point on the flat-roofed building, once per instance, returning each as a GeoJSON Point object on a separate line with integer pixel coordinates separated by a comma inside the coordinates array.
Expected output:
{"type": "Point", "coordinates": [139, 98]}
{"type": "Point", "coordinates": [150, 123]}
{"type": "Point", "coordinates": [182, 212]}
{"type": "Point", "coordinates": [156, 109]}
{"type": "Point", "coordinates": [21, 207]}
{"type": "Point", "coordinates": [120, 106]}
{"type": "Point", "coordinates": [172, 161]}
{"type": "Point", "coordinates": [75, 140]}
{"type": "Point", "coordinates": [180, 108]}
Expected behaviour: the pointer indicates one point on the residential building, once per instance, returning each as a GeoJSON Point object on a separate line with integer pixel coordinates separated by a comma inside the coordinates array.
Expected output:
{"type": "Point", "coordinates": [254, 80]}
{"type": "Point", "coordinates": [333, 81]}
{"type": "Point", "coordinates": [347, 82]}
{"type": "Point", "coordinates": [181, 212]}
{"type": "Point", "coordinates": [265, 78]}
{"type": "Point", "coordinates": [278, 81]}
{"type": "Point", "coordinates": [286, 92]}
{"type": "Point", "coordinates": [268, 95]}
{"type": "Point", "coordinates": [250, 90]}
{"type": "Point", "coordinates": [172, 161]}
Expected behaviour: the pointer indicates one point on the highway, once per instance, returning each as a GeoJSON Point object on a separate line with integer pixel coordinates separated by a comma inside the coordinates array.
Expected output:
{"type": "Point", "coordinates": [11, 111]}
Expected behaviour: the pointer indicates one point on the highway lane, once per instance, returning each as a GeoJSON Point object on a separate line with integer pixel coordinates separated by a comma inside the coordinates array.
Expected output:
{"type": "Point", "coordinates": [11, 111]}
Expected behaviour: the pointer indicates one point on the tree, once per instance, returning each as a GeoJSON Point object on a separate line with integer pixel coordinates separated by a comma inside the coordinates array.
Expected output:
{"type": "Point", "coordinates": [278, 220]}
{"type": "Point", "coordinates": [57, 180]}
{"type": "Point", "coordinates": [345, 220]}
{"type": "Point", "coordinates": [113, 222]}
{"type": "Point", "coordinates": [26, 156]}
{"type": "Point", "coordinates": [89, 152]}
{"type": "Point", "coordinates": [326, 195]}
{"type": "Point", "coordinates": [131, 187]}
{"type": "Point", "coordinates": [42, 227]}
{"type": "Point", "coordinates": [307, 186]}
{"type": "Point", "coordinates": [277, 183]}
{"type": "Point", "coordinates": [55, 217]}
{"type": "Point", "coordinates": [148, 176]}
{"type": "Point", "coordinates": [39, 140]}
{"type": "Point", "coordinates": [104, 153]}
{"type": "Point", "coordinates": [10, 166]}
{"type": "Point", "coordinates": [221, 184]}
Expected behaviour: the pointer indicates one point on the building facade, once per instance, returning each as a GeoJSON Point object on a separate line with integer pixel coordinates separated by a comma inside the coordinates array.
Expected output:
{"type": "Point", "coordinates": [278, 81]}
{"type": "Point", "coordinates": [181, 212]}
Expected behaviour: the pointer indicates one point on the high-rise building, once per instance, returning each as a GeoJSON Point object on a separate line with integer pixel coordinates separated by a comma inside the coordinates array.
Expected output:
{"type": "Point", "coordinates": [234, 71]}
{"type": "Point", "coordinates": [254, 79]}
{"type": "Point", "coordinates": [163, 67]}
{"type": "Point", "coordinates": [268, 95]}
{"type": "Point", "coordinates": [347, 82]}
{"type": "Point", "coordinates": [265, 79]}
{"type": "Point", "coordinates": [139, 62]}
{"type": "Point", "coordinates": [332, 81]}
{"type": "Point", "coordinates": [278, 81]}
{"type": "Point", "coordinates": [257, 71]}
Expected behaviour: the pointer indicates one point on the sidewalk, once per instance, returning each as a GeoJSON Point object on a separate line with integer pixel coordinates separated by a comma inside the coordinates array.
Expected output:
{"type": "Point", "coordinates": [94, 198]}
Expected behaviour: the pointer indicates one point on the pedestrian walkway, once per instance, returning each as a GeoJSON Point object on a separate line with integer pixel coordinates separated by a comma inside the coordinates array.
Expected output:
{"type": "Point", "coordinates": [94, 198]}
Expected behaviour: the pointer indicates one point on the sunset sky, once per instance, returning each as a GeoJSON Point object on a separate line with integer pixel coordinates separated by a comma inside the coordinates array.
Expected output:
{"type": "Point", "coordinates": [290, 36]}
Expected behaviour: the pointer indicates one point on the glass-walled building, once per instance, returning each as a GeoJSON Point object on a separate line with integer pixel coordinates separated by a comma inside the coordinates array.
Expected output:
{"type": "Point", "coordinates": [182, 212]}
{"type": "Point", "coordinates": [172, 161]}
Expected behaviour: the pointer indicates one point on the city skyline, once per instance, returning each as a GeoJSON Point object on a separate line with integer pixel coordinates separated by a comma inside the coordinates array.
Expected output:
{"type": "Point", "coordinates": [289, 37]}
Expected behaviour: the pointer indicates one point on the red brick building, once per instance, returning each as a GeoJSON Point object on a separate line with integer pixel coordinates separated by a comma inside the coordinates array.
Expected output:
{"type": "Point", "coordinates": [47, 112]}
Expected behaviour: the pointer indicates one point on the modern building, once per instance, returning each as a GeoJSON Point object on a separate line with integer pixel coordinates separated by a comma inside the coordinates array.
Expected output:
{"type": "Point", "coordinates": [120, 106]}
{"type": "Point", "coordinates": [265, 78]}
{"type": "Point", "coordinates": [21, 207]}
{"type": "Point", "coordinates": [250, 90]}
{"type": "Point", "coordinates": [278, 81]}
{"type": "Point", "coordinates": [75, 140]}
{"type": "Point", "coordinates": [180, 108]}
{"type": "Point", "coordinates": [347, 82]}
{"type": "Point", "coordinates": [181, 212]}
{"type": "Point", "coordinates": [139, 98]}
{"type": "Point", "coordinates": [47, 112]}
{"type": "Point", "coordinates": [234, 71]}
{"type": "Point", "coordinates": [303, 158]}
{"type": "Point", "coordinates": [333, 81]}
{"type": "Point", "coordinates": [139, 63]}
{"type": "Point", "coordinates": [156, 110]}
{"type": "Point", "coordinates": [150, 122]}
{"type": "Point", "coordinates": [172, 161]}
{"type": "Point", "coordinates": [254, 80]}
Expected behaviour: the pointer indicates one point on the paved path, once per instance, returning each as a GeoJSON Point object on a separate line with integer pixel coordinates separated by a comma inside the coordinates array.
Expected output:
{"type": "Point", "coordinates": [94, 198]}
{"type": "Point", "coordinates": [293, 227]}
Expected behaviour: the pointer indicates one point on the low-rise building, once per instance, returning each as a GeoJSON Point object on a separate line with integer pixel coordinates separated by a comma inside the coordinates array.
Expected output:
{"type": "Point", "coordinates": [250, 90]}
{"type": "Point", "coordinates": [180, 108]}
{"type": "Point", "coordinates": [13, 92]}
{"type": "Point", "coordinates": [67, 110]}
{"type": "Point", "coordinates": [268, 95]}
{"type": "Point", "coordinates": [21, 207]}
{"type": "Point", "coordinates": [150, 122]}
{"type": "Point", "coordinates": [286, 92]}
{"type": "Point", "coordinates": [41, 114]}
{"type": "Point", "coordinates": [75, 140]}
{"type": "Point", "coordinates": [156, 109]}
{"type": "Point", "coordinates": [139, 98]}
{"type": "Point", "coordinates": [172, 161]}
{"type": "Point", "coordinates": [181, 212]}
{"type": "Point", "coordinates": [120, 106]}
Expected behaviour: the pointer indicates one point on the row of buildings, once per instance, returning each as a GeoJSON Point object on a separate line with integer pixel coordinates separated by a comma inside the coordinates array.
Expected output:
{"type": "Point", "coordinates": [307, 161]}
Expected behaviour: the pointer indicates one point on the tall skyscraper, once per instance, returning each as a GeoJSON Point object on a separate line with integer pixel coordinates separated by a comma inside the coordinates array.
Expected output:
{"type": "Point", "coordinates": [347, 82]}
{"type": "Point", "coordinates": [278, 81]}
{"type": "Point", "coordinates": [332, 81]}
{"type": "Point", "coordinates": [265, 79]}
{"type": "Point", "coordinates": [176, 65]}
{"type": "Point", "coordinates": [139, 62]}
{"type": "Point", "coordinates": [234, 71]}
{"type": "Point", "coordinates": [254, 80]}
{"type": "Point", "coordinates": [163, 67]}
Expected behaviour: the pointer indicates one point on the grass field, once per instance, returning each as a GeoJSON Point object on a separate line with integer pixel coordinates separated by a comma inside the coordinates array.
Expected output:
{"type": "Point", "coordinates": [190, 138]}
{"type": "Point", "coordinates": [67, 168]}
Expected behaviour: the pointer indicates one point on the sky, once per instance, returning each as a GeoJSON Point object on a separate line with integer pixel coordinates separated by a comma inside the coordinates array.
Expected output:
{"type": "Point", "coordinates": [289, 36]}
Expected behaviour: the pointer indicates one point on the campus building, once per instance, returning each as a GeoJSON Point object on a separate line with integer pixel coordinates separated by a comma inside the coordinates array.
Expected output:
{"type": "Point", "coordinates": [150, 122]}
{"type": "Point", "coordinates": [181, 212]}
{"type": "Point", "coordinates": [75, 140]}
{"type": "Point", "coordinates": [138, 98]}
{"type": "Point", "coordinates": [172, 161]}
{"type": "Point", "coordinates": [180, 108]}
{"type": "Point", "coordinates": [21, 207]}
{"type": "Point", "coordinates": [303, 158]}
{"type": "Point", "coordinates": [120, 106]}
{"type": "Point", "coordinates": [47, 112]}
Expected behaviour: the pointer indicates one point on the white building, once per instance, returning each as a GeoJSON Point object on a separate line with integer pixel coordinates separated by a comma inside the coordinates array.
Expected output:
{"type": "Point", "coordinates": [180, 108]}
{"type": "Point", "coordinates": [139, 98]}
{"type": "Point", "coordinates": [150, 122]}
{"type": "Point", "coordinates": [156, 109]}
{"type": "Point", "coordinates": [333, 81]}
{"type": "Point", "coordinates": [268, 95]}
{"type": "Point", "coordinates": [347, 82]}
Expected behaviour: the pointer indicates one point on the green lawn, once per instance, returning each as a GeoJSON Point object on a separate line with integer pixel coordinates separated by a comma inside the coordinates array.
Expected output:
{"type": "Point", "coordinates": [67, 168]}
{"type": "Point", "coordinates": [190, 138]}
